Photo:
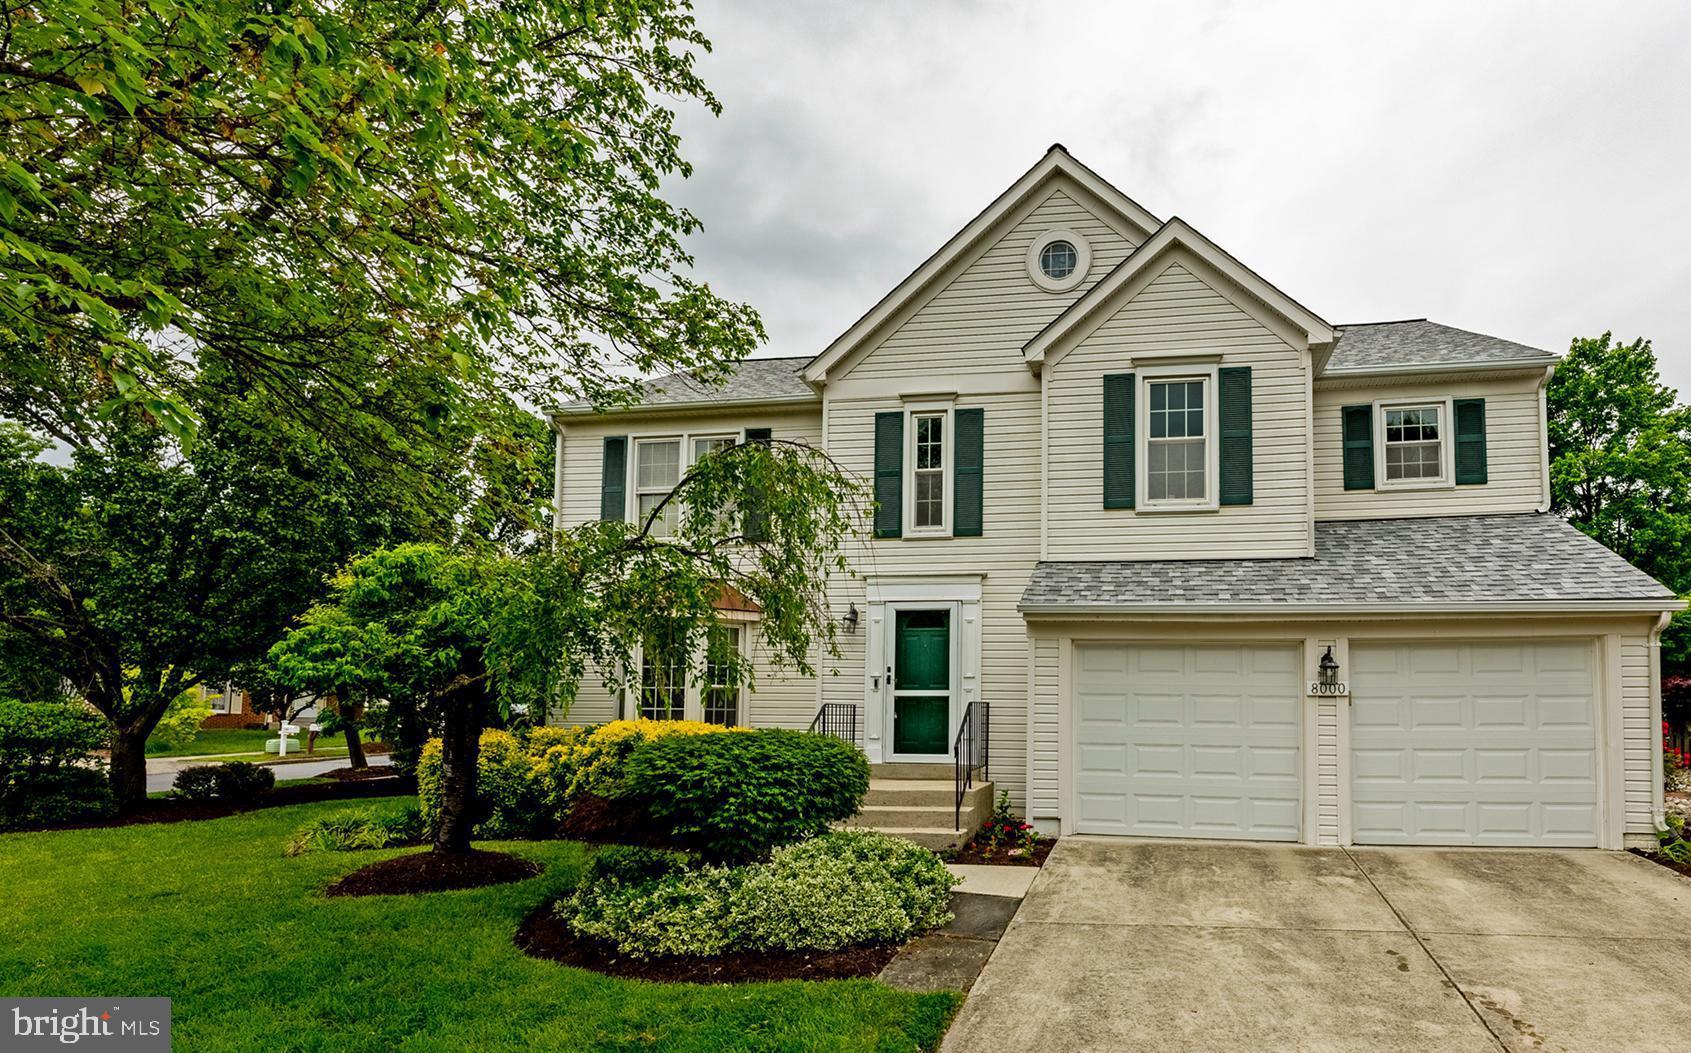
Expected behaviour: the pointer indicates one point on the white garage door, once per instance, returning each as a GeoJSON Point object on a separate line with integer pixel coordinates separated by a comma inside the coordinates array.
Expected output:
{"type": "Point", "coordinates": [1473, 744]}
{"type": "Point", "coordinates": [1175, 741]}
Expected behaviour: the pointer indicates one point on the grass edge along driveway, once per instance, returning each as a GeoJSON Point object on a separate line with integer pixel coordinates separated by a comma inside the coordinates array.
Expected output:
{"type": "Point", "coordinates": [254, 957]}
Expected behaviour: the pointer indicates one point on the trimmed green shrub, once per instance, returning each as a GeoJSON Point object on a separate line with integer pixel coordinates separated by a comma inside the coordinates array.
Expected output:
{"type": "Point", "coordinates": [849, 888]}
{"type": "Point", "coordinates": [47, 773]}
{"type": "Point", "coordinates": [354, 830]}
{"type": "Point", "coordinates": [734, 798]}
{"type": "Point", "coordinates": [505, 783]}
{"type": "Point", "coordinates": [844, 889]}
{"type": "Point", "coordinates": [235, 782]}
{"type": "Point", "coordinates": [572, 763]}
{"type": "Point", "coordinates": [50, 796]}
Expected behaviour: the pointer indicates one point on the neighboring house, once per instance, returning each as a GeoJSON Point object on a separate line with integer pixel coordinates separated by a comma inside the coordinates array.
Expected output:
{"type": "Point", "coordinates": [1131, 494]}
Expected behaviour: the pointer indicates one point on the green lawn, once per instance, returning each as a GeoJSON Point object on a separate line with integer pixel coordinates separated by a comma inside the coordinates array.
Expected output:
{"type": "Point", "coordinates": [248, 743]}
{"type": "Point", "coordinates": [214, 916]}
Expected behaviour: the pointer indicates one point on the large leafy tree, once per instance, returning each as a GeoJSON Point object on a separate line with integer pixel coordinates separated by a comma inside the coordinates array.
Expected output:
{"type": "Point", "coordinates": [140, 569]}
{"type": "Point", "coordinates": [1620, 461]}
{"type": "Point", "coordinates": [473, 633]}
{"type": "Point", "coordinates": [392, 216]}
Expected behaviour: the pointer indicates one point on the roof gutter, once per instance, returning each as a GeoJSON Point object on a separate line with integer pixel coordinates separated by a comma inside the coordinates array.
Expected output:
{"type": "Point", "coordinates": [1434, 368]}
{"type": "Point", "coordinates": [647, 408]}
{"type": "Point", "coordinates": [1395, 610]}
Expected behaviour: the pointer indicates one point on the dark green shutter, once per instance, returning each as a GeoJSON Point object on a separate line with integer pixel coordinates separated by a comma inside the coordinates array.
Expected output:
{"type": "Point", "coordinates": [1359, 447]}
{"type": "Point", "coordinates": [613, 480]}
{"type": "Point", "coordinates": [966, 463]}
{"type": "Point", "coordinates": [1118, 440]}
{"type": "Point", "coordinates": [757, 516]}
{"type": "Point", "coordinates": [1237, 478]}
{"type": "Point", "coordinates": [1470, 441]}
{"type": "Point", "coordinates": [889, 474]}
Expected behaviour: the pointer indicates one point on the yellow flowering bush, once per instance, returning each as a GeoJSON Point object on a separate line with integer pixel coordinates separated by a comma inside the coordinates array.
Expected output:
{"type": "Point", "coordinates": [592, 760]}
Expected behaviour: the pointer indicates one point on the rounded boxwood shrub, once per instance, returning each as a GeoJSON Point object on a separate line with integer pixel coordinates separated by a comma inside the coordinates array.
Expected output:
{"type": "Point", "coordinates": [236, 782]}
{"type": "Point", "coordinates": [47, 774]}
{"type": "Point", "coordinates": [734, 798]}
{"type": "Point", "coordinates": [848, 888]}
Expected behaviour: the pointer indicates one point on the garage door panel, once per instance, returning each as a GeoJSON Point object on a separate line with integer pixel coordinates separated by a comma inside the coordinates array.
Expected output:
{"type": "Point", "coordinates": [1212, 741]}
{"type": "Point", "coordinates": [1496, 744]}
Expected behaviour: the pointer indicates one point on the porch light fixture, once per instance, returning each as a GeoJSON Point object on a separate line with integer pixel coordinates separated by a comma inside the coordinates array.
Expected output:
{"type": "Point", "coordinates": [849, 622]}
{"type": "Point", "coordinates": [1329, 669]}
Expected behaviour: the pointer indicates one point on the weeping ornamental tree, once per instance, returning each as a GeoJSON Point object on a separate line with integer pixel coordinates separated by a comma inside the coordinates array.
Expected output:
{"type": "Point", "coordinates": [473, 632]}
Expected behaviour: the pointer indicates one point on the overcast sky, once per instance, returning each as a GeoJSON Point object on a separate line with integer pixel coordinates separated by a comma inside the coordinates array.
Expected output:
{"type": "Point", "coordinates": [1519, 169]}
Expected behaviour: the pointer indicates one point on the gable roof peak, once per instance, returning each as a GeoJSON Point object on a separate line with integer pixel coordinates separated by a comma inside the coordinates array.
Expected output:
{"type": "Point", "coordinates": [1056, 161]}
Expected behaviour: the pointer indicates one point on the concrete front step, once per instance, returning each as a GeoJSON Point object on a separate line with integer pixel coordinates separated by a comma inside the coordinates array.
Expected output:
{"type": "Point", "coordinates": [938, 840]}
{"type": "Point", "coordinates": [905, 770]}
{"type": "Point", "coordinates": [923, 810]}
{"type": "Point", "coordinates": [925, 792]}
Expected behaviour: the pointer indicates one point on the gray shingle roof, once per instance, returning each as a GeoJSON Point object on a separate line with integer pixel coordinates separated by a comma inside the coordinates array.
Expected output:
{"type": "Point", "coordinates": [1445, 562]}
{"type": "Point", "coordinates": [1418, 342]}
{"type": "Point", "coordinates": [754, 378]}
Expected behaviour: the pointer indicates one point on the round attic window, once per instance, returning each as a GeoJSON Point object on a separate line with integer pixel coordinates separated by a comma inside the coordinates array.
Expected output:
{"type": "Point", "coordinates": [1058, 260]}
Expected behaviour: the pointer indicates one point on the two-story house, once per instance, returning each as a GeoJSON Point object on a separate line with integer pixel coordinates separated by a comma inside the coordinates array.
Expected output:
{"type": "Point", "coordinates": [1219, 567]}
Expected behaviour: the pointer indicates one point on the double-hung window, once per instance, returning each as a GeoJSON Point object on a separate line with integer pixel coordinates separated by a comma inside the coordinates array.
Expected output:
{"type": "Point", "coordinates": [659, 464]}
{"type": "Point", "coordinates": [1413, 446]}
{"type": "Point", "coordinates": [1177, 433]}
{"type": "Point", "coordinates": [928, 478]}
{"type": "Point", "coordinates": [703, 686]}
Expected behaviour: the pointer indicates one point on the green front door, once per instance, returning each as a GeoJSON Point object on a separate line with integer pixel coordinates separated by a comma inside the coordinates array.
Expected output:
{"type": "Point", "coordinates": [921, 683]}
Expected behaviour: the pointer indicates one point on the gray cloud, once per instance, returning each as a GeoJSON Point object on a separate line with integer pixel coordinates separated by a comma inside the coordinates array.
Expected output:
{"type": "Point", "coordinates": [1516, 168]}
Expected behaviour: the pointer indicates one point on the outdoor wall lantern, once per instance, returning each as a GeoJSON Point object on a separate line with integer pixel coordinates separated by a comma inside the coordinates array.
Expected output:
{"type": "Point", "coordinates": [849, 622]}
{"type": "Point", "coordinates": [1329, 669]}
{"type": "Point", "coordinates": [1327, 683]}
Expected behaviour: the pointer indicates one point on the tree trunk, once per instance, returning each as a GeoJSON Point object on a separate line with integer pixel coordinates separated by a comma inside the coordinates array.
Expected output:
{"type": "Point", "coordinates": [460, 745]}
{"type": "Point", "coordinates": [129, 767]}
{"type": "Point", "coordinates": [355, 748]}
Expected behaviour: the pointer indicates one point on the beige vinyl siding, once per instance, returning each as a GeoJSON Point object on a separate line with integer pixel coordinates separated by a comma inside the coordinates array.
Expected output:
{"type": "Point", "coordinates": [984, 314]}
{"type": "Point", "coordinates": [1177, 312]}
{"type": "Point", "coordinates": [1514, 451]}
{"type": "Point", "coordinates": [1004, 555]}
{"type": "Point", "coordinates": [1327, 826]}
{"type": "Point", "coordinates": [782, 698]}
{"type": "Point", "coordinates": [1640, 733]}
{"type": "Point", "coordinates": [1043, 799]}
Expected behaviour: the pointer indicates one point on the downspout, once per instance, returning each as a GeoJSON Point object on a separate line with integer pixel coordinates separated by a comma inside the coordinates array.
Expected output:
{"type": "Point", "coordinates": [1309, 447]}
{"type": "Point", "coordinates": [1544, 436]}
{"type": "Point", "coordinates": [557, 480]}
{"type": "Point", "coordinates": [1658, 806]}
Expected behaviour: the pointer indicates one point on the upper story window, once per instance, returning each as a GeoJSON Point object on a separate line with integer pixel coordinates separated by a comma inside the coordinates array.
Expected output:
{"type": "Point", "coordinates": [1414, 444]}
{"type": "Point", "coordinates": [1176, 454]}
{"type": "Point", "coordinates": [659, 464]}
{"type": "Point", "coordinates": [929, 471]}
{"type": "Point", "coordinates": [1058, 260]}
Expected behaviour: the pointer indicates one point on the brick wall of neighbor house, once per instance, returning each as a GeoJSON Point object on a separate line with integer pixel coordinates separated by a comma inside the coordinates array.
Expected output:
{"type": "Point", "coordinates": [1514, 448]}
{"type": "Point", "coordinates": [1182, 309]}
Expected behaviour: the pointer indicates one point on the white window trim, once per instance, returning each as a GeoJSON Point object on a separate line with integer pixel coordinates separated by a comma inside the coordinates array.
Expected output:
{"type": "Point", "coordinates": [1082, 266]}
{"type": "Point", "coordinates": [1447, 445]}
{"type": "Point", "coordinates": [692, 690]}
{"type": "Point", "coordinates": [686, 438]}
{"type": "Point", "coordinates": [1146, 375]}
{"type": "Point", "coordinates": [948, 437]}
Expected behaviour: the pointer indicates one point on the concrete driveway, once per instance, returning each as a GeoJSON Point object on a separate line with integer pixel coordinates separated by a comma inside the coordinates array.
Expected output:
{"type": "Point", "coordinates": [1163, 945]}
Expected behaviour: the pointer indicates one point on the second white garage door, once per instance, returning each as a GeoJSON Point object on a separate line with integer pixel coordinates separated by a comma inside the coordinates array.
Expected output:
{"type": "Point", "coordinates": [1176, 741]}
{"type": "Point", "coordinates": [1476, 744]}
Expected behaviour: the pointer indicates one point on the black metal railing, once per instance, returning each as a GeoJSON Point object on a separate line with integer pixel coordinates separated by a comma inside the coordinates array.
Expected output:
{"type": "Point", "coordinates": [838, 719]}
{"type": "Point", "coordinates": [970, 752]}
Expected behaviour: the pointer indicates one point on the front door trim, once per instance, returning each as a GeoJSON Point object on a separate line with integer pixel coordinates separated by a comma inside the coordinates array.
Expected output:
{"type": "Point", "coordinates": [885, 595]}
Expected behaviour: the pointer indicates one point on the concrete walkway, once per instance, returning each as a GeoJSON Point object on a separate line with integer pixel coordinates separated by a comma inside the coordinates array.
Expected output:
{"type": "Point", "coordinates": [1170, 946]}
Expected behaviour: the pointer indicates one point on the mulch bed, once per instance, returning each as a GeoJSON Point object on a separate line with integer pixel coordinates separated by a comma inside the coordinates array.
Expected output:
{"type": "Point", "coordinates": [433, 872]}
{"type": "Point", "coordinates": [970, 854]}
{"type": "Point", "coordinates": [1660, 860]}
{"type": "Point", "coordinates": [543, 935]}
{"type": "Point", "coordinates": [178, 810]}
